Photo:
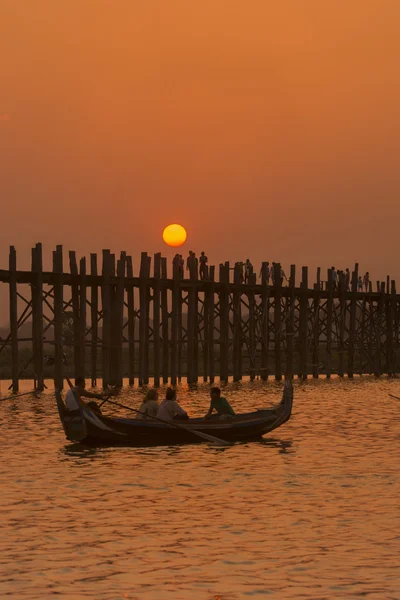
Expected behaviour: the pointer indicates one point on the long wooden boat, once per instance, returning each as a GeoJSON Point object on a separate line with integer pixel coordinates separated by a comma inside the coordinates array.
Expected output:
{"type": "Point", "coordinates": [91, 428]}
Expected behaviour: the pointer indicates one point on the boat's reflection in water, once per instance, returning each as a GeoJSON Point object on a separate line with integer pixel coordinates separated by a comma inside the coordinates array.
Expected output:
{"type": "Point", "coordinates": [83, 451]}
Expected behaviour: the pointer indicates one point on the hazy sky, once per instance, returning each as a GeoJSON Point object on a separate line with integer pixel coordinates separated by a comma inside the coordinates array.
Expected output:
{"type": "Point", "coordinates": [269, 129]}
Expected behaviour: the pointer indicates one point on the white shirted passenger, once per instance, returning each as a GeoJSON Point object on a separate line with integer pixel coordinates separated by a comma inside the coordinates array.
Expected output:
{"type": "Point", "coordinates": [169, 408]}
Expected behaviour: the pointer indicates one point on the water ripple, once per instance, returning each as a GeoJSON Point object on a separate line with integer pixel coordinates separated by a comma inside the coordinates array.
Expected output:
{"type": "Point", "coordinates": [310, 512]}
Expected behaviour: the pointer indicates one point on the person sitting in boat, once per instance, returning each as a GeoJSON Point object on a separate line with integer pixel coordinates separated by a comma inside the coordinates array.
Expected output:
{"type": "Point", "coordinates": [149, 407]}
{"type": "Point", "coordinates": [220, 404]}
{"type": "Point", "coordinates": [169, 408]}
{"type": "Point", "coordinates": [79, 389]}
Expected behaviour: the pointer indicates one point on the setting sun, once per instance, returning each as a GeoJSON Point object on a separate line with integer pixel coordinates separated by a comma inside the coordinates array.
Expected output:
{"type": "Point", "coordinates": [174, 235]}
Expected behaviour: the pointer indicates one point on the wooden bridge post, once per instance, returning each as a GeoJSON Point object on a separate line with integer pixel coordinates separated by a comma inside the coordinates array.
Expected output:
{"type": "Point", "coordinates": [371, 329]}
{"type": "Point", "coordinates": [58, 318]}
{"type": "Point", "coordinates": [75, 312]}
{"type": "Point", "coordinates": [379, 319]}
{"type": "Point", "coordinates": [144, 319]}
{"type": "Point", "coordinates": [165, 320]}
{"type": "Point", "coordinates": [191, 324]}
{"type": "Point", "coordinates": [37, 316]}
{"type": "Point", "coordinates": [82, 314]}
{"type": "Point", "coordinates": [278, 321]}
{"type": "Point", "coordinates": [237, 325]}
{"type": "Point", "coordinates": [362, 339]}
{"type": "Point", "coordinates": [290, 324]}
{"type": "Point", "coordinates": [176, 301]}
{"type": "Point", "coordinates": [118, 324]}
{"type": "Point", "coordinates": [315, 329]}
{"type": "Point", "coordinates": [94, 318]}
{"type": "Point", "coordinates": [252, 328]}
{"type": "Point", "coordinates": [224, 321]}
{"type": "Point", "coordinates": [196, 331]}
{"type": "Point", "coordinates": [342, 322]}
{"type": "Point", "coordinates": [389, 320]}
{"type": "Point", "coordinates": [353, 318]}
{"type": "Point", "coordinates": [303, 325]}
{"type": "Point", "coordinates": [130, 296]}
{"type": "Point", "coordinates": [180, 328]}
{"type": "Point", "coordinates": [106, 309]}
{"type": "Point", "coordinates": [156, 318]}
{"type": "Point", "coordinates": [264, 320]}
{"type": "Point", "coordinates": [329, 315]}
{"type": "Point", "coordinates": [396, 332]}
{"type": "Point", "coordinates": [14, 319]}
{"type": "Point", "coordinates": [211, 324]}
{"type": "Point", "coordinates": [206, 319]}
{"type": "Point", "coordinates": [316, 324]}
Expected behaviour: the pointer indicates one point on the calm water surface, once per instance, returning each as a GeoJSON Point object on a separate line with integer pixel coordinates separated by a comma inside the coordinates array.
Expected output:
{"type": "Point", "coordinates": [312, 512]}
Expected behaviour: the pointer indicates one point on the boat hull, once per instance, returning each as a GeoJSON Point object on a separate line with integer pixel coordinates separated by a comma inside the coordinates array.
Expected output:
{"type": "Point", "coordinates": [93, 429]}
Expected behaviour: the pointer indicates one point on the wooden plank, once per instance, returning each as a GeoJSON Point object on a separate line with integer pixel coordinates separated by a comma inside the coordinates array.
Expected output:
{"type": "Point", "coordinates": [290, 324]}
{"type": "Point", "coordinates": [106, 309]}
{"type": "Point", "coordinates": [329, 319]}
{"type": "Point", "coordinates": [303, 325]}
{"type": "Point", "coordinates": [165, 321]}
{"type": "Point", "coordinates": [82, 315]}
{"type": "Point", "coordinates": [58, 318]}
{"type": "Point", "coordinates": [265, 320]}
{"type": "Point", "coordinates": [14, 319]}
{"type": "Point", "coordinates": [224, 321]}
{"type": "Point", "coordinates": [144, 299]}
{"type": "Point", "coordinates": [131, 321]}
{"type": "Point", "coordinates": [278, 321]}
{"type": "Point", "coordinates": [37, 316]}
{"type": "Point", "coordinates": [237, 324]}
{"type": "Point", "coordinates": [94, 311]}
{"type": "Point", "coordinates": [353, 322]}
{"type": "Point", "coordinates": [156, 318]}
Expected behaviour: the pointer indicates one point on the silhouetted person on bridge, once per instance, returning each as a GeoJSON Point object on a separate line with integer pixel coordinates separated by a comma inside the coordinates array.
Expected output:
{"type": "Point", "coordinates": [267, 273]}
{"type": "Point", "coordinates": [366, 281]}
{"type": "Point", "coordinates": [181, 266]}
{"type": "Point", "coordinates": [334, 277]}
{"type": "Point", "coordinates": [203, 266]}
{"type": "Point", "coordinates": [192, 264]}
{"type": "Point", "coordinates": [175, 266]}
{"type": "Point", "coordinates": [248, 271]}
{"type": "Point", "coordinates": [347, 279]}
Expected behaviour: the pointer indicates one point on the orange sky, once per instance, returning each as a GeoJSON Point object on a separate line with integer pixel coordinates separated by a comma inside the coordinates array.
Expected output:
{"type": "Point", "coordinates": [270, 130]}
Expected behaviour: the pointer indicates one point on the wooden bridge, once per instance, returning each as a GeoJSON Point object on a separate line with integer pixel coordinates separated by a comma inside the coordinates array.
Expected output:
{"type": "Point", "coordinates": [112, 324]}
